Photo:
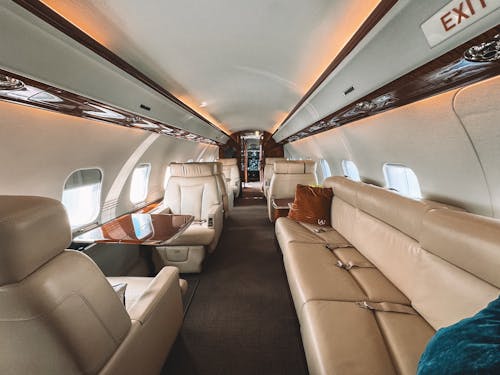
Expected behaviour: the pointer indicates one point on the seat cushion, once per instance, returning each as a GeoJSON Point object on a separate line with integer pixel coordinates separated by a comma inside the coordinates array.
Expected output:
{"type": "Point", "coordinates": [288, 230]}
{"type": "Point", "coordinates": [135, 287]}
{"type": "Point", "coordinates": [327, 234]}
{"type": "Point", "coordinates": [342, 338]}
{"type": "Point", "coordinates": [313, 275]}
{"type": "Point", "coordinates": [195, 234]}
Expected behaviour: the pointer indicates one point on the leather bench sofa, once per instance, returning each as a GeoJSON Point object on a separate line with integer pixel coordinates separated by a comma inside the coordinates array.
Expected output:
{"type": "Point", "coordinates": [372, 290]}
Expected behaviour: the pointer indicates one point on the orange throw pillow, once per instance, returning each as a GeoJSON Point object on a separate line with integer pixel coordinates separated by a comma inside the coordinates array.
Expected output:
{"type": "Point", "coordinates": [312, 205]}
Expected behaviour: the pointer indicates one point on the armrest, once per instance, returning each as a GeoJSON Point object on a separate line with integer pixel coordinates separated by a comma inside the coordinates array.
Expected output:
{"type": "Point", "coordinates": [163, 289]}
{"type": "Point", "coordinates": [217, 211]}
{"type": "Point", "coordinates": [161, 209]}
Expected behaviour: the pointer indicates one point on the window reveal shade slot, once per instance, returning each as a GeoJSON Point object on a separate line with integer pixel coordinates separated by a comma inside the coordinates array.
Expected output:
{"type": "Point", "coordinates": [143, 106]}
{"type": "Point", "coordinates": [84, 177]}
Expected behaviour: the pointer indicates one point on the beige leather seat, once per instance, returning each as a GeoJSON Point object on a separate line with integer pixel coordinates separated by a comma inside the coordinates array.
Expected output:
{"type": "Point", "coordinates": [59, 314]}
{"type": "Point", "coordinates": [232, 172]}
{"type": "Point", "coordinates": [287, 174]}
{"type": "Point", "coordinates": [268, 173]}
{"type": "Point", "coordinates": [227, 194]}
{"type": "Point", "coordinates": [192, 190]}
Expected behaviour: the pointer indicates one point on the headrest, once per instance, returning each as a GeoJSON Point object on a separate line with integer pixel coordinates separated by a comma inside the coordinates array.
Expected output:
{"type": "Point", "coordinates": [469, 241]}
{"type": "Point", "coordinates": [400, 212]}
{"type": "Point", "coordinates": [343, 188]}
{"type": "Point", "coordinates": [191, 169]}
{"type": "Point", "coordinates": [228, 161]}
{"type": "Point", "coordinates": [294, 166]}
{"type": "Point", "coordinates": [33, 230]}
{"type": "Point", "coordinates": [217, 167]}
{"type": "Point", "coordinates": [394, 209]}
{"type": "Point", "coordinates": [272, 160]}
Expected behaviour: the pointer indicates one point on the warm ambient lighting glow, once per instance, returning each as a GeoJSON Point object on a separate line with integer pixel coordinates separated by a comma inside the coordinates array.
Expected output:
{"type": "Point", "coordinates": [89, 22]}
{"type": "Point", "coordinates": [354, 14]}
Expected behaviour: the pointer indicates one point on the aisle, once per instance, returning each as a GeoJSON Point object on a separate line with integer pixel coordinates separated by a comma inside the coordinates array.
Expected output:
{"type": "Point", "coordinates": [241, 319]}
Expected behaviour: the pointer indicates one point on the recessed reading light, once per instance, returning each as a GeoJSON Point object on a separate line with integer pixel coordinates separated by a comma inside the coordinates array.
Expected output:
{"type": "Point", "coordinates": [203, 104]}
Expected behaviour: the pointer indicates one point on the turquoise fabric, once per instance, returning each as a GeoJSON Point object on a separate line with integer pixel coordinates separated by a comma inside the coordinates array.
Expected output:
{"type": "Point", "coordinates": [471, 346]}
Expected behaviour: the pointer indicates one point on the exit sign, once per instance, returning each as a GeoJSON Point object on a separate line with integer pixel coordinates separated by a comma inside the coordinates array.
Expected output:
{"type": "Point", "coordinates": [454, 17]}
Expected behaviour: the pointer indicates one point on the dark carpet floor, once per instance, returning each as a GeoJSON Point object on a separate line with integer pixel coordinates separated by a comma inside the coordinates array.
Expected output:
{"type": "Point", "coordinates": [241, 318]}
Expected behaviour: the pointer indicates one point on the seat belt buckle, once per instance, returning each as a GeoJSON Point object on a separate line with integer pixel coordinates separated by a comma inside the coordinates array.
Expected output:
{"type": "Point", "coordinates": [346, 266]}
{"type": "Point", "coordinates": [365, 305]}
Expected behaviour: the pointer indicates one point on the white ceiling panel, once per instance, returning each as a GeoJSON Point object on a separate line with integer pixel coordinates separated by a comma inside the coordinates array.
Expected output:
{"type": "Point", "coordinates": [244, 64]}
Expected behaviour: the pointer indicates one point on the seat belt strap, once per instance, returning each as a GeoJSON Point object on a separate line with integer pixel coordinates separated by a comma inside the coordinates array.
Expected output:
{"type": "Point", "coordinates": [350, 264]}
{"type": "Point", "coordinates": [333, 246]}
{"type": "Point", "coordinates": [387, 307]}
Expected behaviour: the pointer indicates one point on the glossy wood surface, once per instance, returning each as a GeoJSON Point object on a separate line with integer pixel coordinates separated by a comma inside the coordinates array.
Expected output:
{"type": "Point", "coordinates": [41, 95]}
{"type": "Point", "coordinates": [139, 229]}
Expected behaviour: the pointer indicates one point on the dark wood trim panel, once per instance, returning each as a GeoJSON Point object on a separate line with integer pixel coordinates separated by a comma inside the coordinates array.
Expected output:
{"type": "Point", "coordinates": [382, 8]}
{"type": "Point", "coordinates": [40, 95]}
{"type": "Point", "coordinates": [449, 71]}
{"type": "Point", "coordinates": [54, 19]}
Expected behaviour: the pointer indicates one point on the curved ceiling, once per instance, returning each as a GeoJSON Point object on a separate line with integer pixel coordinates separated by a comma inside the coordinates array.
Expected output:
{"type": "Point", "coordinates": [243, 65]}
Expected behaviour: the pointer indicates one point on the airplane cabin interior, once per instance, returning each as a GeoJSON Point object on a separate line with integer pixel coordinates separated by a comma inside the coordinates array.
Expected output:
{"type": "Point", "coordinates": [277, 187]}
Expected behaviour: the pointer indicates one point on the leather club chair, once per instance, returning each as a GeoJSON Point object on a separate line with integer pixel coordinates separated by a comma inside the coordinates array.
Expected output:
{"type": "Point", "coordinates": [268, 173]}
{"type": "Point", "coordinates": [59, 314]}
{"type": "Point", "coordinates": [287, 175]}
{"type": "Point", "coordinates": [192, 190]}
{"type": "Point", "coordinates": [232, 172]}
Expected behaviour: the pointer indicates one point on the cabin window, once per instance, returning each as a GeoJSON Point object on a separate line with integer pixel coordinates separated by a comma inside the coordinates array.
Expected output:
{"type": "Point", "coordinates": [325, 168]}
{"type": "Point", "coordinates": [82, 197]}
{"type": "Point", "coordinates": [350, 170]}
{"type": "Point", "coordinates": [139, 183]}
{"type": "Point", "coordinates": [167, 177]}
{"type": "Point", "coordinates": [402, 180]}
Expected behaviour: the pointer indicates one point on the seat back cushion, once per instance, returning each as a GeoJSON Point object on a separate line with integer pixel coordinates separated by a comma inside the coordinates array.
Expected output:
{"type": "Point", "coordinates": [65, 318]}
{"type": "Point", "coordinates": [192, 195]}
{"type": "Point", "coordinates": [387, 229]}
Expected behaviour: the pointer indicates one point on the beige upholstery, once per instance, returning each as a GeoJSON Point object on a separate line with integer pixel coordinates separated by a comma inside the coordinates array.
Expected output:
{"type": "Point", "coordinates": [268, 173]}
{"type": "Point", "coordinates": [287, 175]}
{"type": "Point", "coordinates": [227, 194]}
{"type": "Point", "coordinates": [193, 190]}
{"type": "Point", "coordinates": [441, 260]}
{"type": "Point", "coordinates": [231, 170]}
{"type": "Point", "coordinates": [58, 311]}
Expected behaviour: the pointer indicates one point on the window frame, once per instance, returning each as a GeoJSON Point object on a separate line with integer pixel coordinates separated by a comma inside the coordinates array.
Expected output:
{"type": "Point", "coordinates": [146, 188]}
{"type": "Point", "coordinates": [324, 163]}
{"type": "Point", "coordinates": [95, 220]}
{"type": "Point", "coordinates": [410, 188]}
{"type": "Point", "coordinates": [345, 170]}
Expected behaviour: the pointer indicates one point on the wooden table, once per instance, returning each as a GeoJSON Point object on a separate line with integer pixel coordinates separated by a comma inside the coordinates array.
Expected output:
{"type": "Point", "coordinates": [138, 229]}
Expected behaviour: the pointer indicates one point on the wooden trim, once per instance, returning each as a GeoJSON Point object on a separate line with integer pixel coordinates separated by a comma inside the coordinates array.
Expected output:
{"type": "Point", "coordinates": [449, 71]}
{"type": "Point", "coordinates": [382, 8]}
{"type": "Point", "coordinates": [72, 104]}
{"type": "Point", "coordinates": [54, 19]}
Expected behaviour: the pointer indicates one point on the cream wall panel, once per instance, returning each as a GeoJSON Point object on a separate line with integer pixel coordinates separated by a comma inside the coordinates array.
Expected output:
{"type": "Point", "coordinates": [428, 137]}
{"type": "Point", "coordinates": [478, 107]}
{"type": "Point", "coordinates": [40, 149]}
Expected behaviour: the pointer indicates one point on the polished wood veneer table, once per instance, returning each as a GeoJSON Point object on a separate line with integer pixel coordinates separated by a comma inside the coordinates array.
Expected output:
{"type": "Point", "coordinates": [138, 229]}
